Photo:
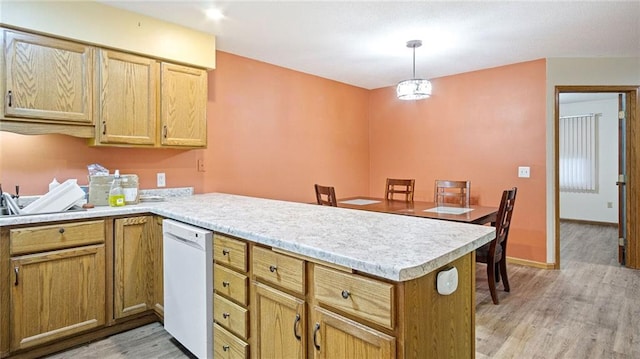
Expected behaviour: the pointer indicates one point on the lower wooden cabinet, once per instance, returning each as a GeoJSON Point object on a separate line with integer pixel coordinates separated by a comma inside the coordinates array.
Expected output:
{"type": "Point", "coordinates": [281, 322]}
{"type": "Point", "coordinates": [227, 345]}
{"type": "Point", "coordinates": [133, 284]}
{"type": "Point", "coordinates": [231, 314]}
{"type": "Point", "coordinates": [138, 278]}
{"type": "Point", "coordinates": [56, 294]}
{"type": "Point", "coordinates": [335, 336]}
{"type": "Point", "coordinates": [157, 266]}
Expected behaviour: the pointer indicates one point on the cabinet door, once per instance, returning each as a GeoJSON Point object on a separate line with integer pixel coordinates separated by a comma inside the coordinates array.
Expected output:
{"type": "Point", "coordinates": [158, 267]}
{"type": "Point", "coordinates": [126, 99]}
{"type": "Point", "coordinates": [47, 79]}
{"type": "Point", "coordinates": [280, 324]}
{"type": "Point", "coordinates": [133, 285]}
{"type": "Point", "coordinates": [183, 100]}
{"type": "Point", "coordinates": [335, 336]}
{"type": "Point", "coordinates": [56, 294]}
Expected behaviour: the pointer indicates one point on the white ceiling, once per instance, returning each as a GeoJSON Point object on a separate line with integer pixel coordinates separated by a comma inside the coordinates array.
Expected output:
{"type": "Point", "coordinates": [363, 43]}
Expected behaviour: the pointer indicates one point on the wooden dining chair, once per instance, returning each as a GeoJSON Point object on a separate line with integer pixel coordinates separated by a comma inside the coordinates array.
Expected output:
{"type": "Point", "coordinates": [399, 186]}
{"type": "Point", "coordinates": [452, 192]}
{"type": "Point", "coordinates": [494, 253]}
{"type": "Point", "coordinates": [326, 196]}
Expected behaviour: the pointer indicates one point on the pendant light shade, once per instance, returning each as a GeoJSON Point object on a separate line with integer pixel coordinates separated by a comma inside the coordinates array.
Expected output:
{"type": "Point", "coordinates": [414, 89]}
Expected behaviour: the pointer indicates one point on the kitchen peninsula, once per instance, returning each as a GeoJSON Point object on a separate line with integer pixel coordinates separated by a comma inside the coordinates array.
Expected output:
{"type": "Point", "coordinates": [353, 277]}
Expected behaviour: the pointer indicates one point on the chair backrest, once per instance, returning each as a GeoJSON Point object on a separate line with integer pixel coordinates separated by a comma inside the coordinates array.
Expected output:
{"type": "Point", "coordinates": [503, 219]}
{"type": "Point", "coordinates": [326, 196]}
{"type": "Point", "coordinates": [452, 192]}
{"type": "Point", "coordinates": [399, 186]}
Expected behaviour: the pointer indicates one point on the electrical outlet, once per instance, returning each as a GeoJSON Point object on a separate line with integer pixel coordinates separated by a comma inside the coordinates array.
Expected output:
{"type": "Point", "coordinates": [162, 179]}
{"type": "Point", "coordinates": [201, 165]}
{"type": "Point", "coordinates": [524, 172]}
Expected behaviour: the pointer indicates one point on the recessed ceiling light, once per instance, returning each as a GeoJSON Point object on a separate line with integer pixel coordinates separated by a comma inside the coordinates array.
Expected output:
{"type": "Point", "coordinates": [214, 14]}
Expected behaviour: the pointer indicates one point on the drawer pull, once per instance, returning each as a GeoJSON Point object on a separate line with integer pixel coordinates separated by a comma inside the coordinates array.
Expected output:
{"type": "Point", "coordinates": [273, 268]}
{"type": "Point", "coordinates": [16, 270]}
{"type": "Point", "coordinates": [61, 230]}
{"type": "Point", "coordinates": [225, 252]}
{"type": "Point", "coordinates": [226, 284]}
{"type": "Point", "coordinates": [345, 294]}
{"type": "Point", "coordinates": [295, 327]}
{"type": "Point", "coordinates": [315, 334]}
{"type": "Point", "coordinates": [225, 348]}
{"type": "Point", "coordinates": [226, 315]}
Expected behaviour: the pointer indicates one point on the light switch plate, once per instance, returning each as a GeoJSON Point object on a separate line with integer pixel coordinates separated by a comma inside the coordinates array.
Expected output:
{"type": "Point", "coordinates": [524, 172]}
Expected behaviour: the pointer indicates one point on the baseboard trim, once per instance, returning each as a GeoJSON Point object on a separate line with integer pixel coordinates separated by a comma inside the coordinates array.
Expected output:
{"type": "Point", "coordinates": [528, 263]}
{"type": "Point", "coordinates": [582, 221]}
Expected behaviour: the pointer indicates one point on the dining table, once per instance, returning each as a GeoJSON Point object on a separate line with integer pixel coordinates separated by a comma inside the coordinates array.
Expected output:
{"type": "Point", "coordinates": [473, 214]}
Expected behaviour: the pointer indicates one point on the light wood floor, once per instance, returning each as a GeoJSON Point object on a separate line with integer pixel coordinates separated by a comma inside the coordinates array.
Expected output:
{"type": "Point", "coordinates": [588, 309]}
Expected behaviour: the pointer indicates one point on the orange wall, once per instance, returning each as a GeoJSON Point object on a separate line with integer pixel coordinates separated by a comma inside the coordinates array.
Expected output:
{"type": "Point", "coordinates": [33, 161]}
{"type": "Point", "coordinates": [274, 132]}
{"type": "Point", "coordinates": [478, 126]}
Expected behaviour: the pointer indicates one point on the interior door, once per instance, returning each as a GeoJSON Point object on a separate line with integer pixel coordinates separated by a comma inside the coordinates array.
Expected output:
{"type": "Point", "coordinates": [621, 183]}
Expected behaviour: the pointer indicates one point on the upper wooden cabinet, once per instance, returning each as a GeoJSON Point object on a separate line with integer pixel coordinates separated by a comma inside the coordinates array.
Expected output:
{"type": "Point", "coordinates": [47, 81]}
{"type": "Point", "coordinates": [126, 95]}
{"type": "Point", "coordinates": [183, 99]}
{"type": "Point", "coordinates": [111, 97]}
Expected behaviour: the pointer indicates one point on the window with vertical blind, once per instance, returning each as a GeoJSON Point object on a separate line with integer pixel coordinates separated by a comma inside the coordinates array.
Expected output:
{"type": "Point", "coordinates": [579, 153]}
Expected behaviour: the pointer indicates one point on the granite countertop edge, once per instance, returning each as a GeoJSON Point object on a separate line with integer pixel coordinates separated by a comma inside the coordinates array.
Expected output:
{"type": "Point", "coordinates": [393, 247]}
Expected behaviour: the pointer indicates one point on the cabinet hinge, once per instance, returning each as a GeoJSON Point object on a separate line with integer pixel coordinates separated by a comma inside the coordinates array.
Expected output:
{"type": "Point", "coordinates": [622, 241]}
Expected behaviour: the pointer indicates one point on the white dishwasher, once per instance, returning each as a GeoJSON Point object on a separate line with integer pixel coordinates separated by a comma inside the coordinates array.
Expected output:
{"type": "Point", "coordinates": [188, 286]}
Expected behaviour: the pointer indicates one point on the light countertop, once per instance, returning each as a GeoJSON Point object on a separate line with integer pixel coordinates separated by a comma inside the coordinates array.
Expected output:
{"type": "Point", "coordinates": [390, 246]}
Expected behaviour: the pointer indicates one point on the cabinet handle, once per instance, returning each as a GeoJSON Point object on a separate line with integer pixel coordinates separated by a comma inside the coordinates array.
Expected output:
{"type": "Point", "coordinates": [273, 268]}
{"type": "Point", "coordinates": [61, 230]}
{"type": "Point", "coordinates": [225, 284]}
{"type": "Point", "coordinates": [345, 294]}
{"type": "Point", "coordinates": [295, 327]}
{"type": "Point", "coordinates": [226, 315]}
{"type": "Point", "coordinates": [16, 270]}
{"type": "Point", "coordinates": [225, 252]}
{"type": "Point", "coordinates": [225, 348]}
{"type": "Point", "coordinates": [315, 334]}
{"type": "Point", "coordinates": [9, 96]}
{"type": "Point", "coordinates": [164, 131]}
{"type": "Point", "coordinates": [104, 127]}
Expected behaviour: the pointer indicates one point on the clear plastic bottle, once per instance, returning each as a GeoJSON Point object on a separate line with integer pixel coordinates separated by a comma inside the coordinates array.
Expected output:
{"type": "Point", "coordinates": [116, 194]}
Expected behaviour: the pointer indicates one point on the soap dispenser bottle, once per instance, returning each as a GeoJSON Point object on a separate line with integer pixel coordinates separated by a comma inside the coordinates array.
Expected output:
{"type": "Point", "coordinates": [116, 194]}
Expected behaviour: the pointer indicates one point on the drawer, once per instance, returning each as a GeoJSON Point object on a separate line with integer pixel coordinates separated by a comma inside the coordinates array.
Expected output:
{"type": "Point", "coordinates": [231, 284]}
{"type": "Point", "coordinates": [231, 316]}
{"type": "Point", "coordinates": [229, 251]}
{"type": "Point", "coordinates": [57, 236]}
{"type": "Point", "coordinates": [228, 346]}
{"type": "Point", "coordinates": [279, 269]}
{"type": "Point", "coordinates": [362, 297]}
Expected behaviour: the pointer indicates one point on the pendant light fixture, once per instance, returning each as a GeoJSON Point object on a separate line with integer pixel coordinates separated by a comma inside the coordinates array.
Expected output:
{"type": "Point", "coordinates": [414, 89]}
